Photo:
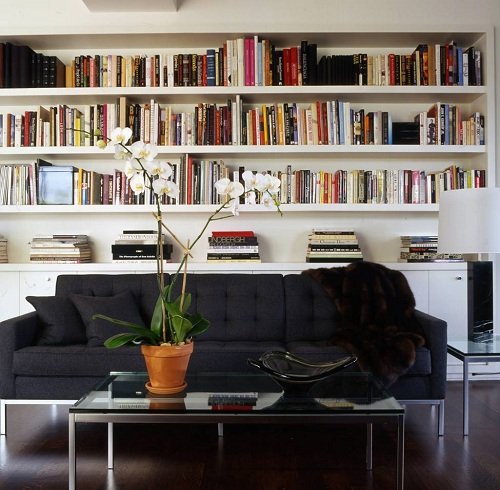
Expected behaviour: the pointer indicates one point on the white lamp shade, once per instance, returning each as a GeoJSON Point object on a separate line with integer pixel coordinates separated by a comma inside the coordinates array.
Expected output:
{"type": "Point", "coordinates": [469, 221]}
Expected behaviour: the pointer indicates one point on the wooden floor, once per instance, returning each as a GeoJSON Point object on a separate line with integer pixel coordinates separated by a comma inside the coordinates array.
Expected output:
{"type": "Point", "coordinates": [34, 453]}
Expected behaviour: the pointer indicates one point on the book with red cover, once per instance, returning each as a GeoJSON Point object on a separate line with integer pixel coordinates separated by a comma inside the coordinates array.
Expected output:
{"type": "Point", "coordinates": [231, 233]}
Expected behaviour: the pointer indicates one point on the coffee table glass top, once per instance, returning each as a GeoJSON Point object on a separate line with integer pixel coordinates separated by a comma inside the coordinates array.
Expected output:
{"type": "Point", "coordinates": [238, 392]}
{"type": "Point", "coordinates": [468, 348]}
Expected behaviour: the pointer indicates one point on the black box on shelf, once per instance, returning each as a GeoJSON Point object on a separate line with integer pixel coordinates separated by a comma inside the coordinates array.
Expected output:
{"type": "Point", "coordinates": [405, 133]}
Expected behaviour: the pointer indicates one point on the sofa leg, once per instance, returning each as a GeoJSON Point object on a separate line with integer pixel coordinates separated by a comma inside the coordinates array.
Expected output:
{"type": "Point", "coordinates": [3, 418]}
{"type": "Point", "coordinates": [441, 418]}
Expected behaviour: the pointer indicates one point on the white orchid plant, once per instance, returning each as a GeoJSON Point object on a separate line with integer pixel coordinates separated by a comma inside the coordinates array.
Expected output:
{"type": "Point", "coordinates": [171, 324]}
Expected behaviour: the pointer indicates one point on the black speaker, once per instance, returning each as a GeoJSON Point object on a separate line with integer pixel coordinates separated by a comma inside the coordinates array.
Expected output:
{"type": "Point", "coordinates": [480, 301]}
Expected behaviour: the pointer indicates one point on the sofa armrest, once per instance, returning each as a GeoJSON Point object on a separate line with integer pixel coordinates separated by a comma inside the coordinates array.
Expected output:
{"type": "Point", "coordinates": [436, 333]}
{"type": "Point", "coordinates": [15, 333]}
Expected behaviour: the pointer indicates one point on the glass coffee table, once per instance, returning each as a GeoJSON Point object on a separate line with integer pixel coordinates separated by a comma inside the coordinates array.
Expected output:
{"type": "Point", "coordinates": [238, 398]}
{"type": "Point", "coordinates": [469, 352]}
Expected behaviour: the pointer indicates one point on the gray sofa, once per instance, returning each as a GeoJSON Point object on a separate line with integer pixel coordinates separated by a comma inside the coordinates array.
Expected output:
{"type": "Point", "coordinates": [56, 353]}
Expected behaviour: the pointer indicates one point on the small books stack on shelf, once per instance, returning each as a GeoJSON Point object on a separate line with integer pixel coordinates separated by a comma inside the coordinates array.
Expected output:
{"type": "Point", "coordinates": [233, 246]}
{"type": "Point", "coordinates": [423, 248]}
{"type": "Point", "coordinates": [326, 245]}
{"type": "Point", "coordinates": [60, 249]}
{"type": "Point", "coordinates": [138, 246]}
{"type": "Point", "coordinates": [3, 250]}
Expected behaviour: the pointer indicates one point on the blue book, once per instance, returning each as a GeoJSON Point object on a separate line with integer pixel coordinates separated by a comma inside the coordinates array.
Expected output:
{"type": "Point", "coordinates": [211, 67]}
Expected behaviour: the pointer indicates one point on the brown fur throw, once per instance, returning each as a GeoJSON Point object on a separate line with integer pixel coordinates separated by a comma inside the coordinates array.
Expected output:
{"type": "Point", "coordinates": [378, 324]}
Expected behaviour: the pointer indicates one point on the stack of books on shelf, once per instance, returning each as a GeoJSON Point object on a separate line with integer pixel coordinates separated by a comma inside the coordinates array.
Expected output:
{"type": "Point", "coordinates": [233, 246]}
{"type": "Point", "coordinates": [139, 246]}
{"type": "Point", "coordinates": [3, 250]}
{"type": "Point", "coordinates": [424, 248]}
{"type": "Point", "coordinates": [328, 245]}
{"type": "Point", "coordinates": [60, 249]}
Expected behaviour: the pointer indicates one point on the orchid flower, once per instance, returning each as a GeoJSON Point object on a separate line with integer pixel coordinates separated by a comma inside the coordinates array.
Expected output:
{"type": "Point", "coordinates": [225, 187]}
{"type": "Point", "coordinates": [160, 169]}
{"type": "Point", "coordinates": [165, 187]}
{"type": "Point", "coordinates": [120, 136]}
{"type": "Point", "coordinates": [137, 183]}
{"type": "Point", "coordinates": [143, 151]}
{"type": "Point", "coordinates": [132, 167]}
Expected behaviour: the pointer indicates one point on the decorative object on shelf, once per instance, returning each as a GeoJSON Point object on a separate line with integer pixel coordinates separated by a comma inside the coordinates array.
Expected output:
{"type": "Point", "coordinates": [329, 245]}
{"type": "Point", "coordinates": [295, 374]}
{"type": "Point", "coordinates": [172, 327]}
{"type": "Point", "coordinates": [468, 224]}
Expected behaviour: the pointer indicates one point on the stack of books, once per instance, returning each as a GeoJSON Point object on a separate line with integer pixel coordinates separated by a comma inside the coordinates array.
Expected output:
{"type": "Point", "coordinates": [233, 246]}
{"type": "Point", "coordinates": [60, 249]}
{"type": "Point", "coordinates": [3, 250]}
{"type": "Point", "coordinates": [424, 248]}
{"type": "Point", "coordinates": [139, 246]}
{"type": "Point", "coordinates": [327, 245]}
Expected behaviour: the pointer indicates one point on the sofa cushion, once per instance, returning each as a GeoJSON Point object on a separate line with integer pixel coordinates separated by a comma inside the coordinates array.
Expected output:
{"type": "Point", "coordinates": [60, 321]}
{"type": "Point", "coordinates": [144, 287]}
{"type": "Point", "coordinates": [75, 361]}
{"type": "Point", "coordinates": [239, 306]}
{"type": "Point", "coordinates": [219, 356]}
{"type": "Point", "coordinates": [310, 313]}
{"type": "Point", "coordinates": [122, 306]}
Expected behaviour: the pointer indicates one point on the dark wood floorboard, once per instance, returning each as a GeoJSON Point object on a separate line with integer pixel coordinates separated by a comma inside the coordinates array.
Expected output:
{"type": "Point", "coordinates": [275, 457]}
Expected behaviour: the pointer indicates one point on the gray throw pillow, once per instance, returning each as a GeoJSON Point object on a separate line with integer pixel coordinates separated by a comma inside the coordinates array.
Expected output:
{"type": "Point", "coordinates": [122, 306]}
{"type": "Point", "coordinates": [60, 321]}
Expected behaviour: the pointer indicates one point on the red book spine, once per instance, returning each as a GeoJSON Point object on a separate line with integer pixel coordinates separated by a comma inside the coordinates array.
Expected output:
{"type": "Point", "coordinates": [251, 59]}
{"type": "Point", "coordinates": [294, 65]}
{"type": "Point", "coordinates": [287, 78]}
{"type": "Point", "coordinates": [392, 69]}
{"type": "Point", "coordinates": [233, 233]}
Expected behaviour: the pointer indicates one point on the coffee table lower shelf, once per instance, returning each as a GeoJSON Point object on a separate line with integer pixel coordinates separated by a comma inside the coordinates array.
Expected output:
{"type": "Point", "coordinates": [128, 413]}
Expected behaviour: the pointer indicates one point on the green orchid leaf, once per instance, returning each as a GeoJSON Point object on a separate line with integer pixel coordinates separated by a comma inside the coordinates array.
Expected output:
{"type": "Point", "coordinates": [200, 324]}
{"type": "Point", "coordinates": [187, 302]}
{"type": "Point", "coordinates": [138, 329]}
{"type": "Point", "coordinates": [182, 326]}
{"type": "Point", "coordinates": [122, 339]}
{"type": "Point", "coordinates": [157, 318]}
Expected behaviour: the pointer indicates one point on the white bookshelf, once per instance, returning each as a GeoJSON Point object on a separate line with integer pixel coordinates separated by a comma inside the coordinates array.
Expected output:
{"type": "Point", "coordinates": [379, 226]}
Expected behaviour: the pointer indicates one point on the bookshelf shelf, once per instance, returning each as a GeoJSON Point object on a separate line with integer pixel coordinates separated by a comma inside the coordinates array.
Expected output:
{"type": "Point", "coordinates": [284, 239]}
{"type": "Point", "coordinates": [206, 209]}
{"type": "Point", "coordinates": [251, 94]}
{"type": "Point", "coordinates": [259, 151]}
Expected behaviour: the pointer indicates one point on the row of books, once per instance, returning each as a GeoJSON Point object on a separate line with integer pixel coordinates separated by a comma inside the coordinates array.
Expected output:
{"type": "Point", "coordinates": [34, 183]}
{"type": "Point", "coordinates": [375, 186]}
{"type": "Point", "coordinates": [63, 125]}
{"type": "Point", "coordinates": [251, 61]}
{"type": "Point", "coordinates": [21, 67]}
{"type": "Point", "coordinates": [332, 245]}
{"type": "Point", "coordinates": [444, 124]}
{"type": "Point", "coordinates": [139, 246]}
{"type": "Point", "coordinates": [3, 250]}
{"type": "Point", "coordinates": [60, 249]}
{"type": "Point", "coordinates": [424, 248]}
{"type": "Point", "coordinates": [233, 246]}
{"type": "Point", "coordinates": [332, 122]}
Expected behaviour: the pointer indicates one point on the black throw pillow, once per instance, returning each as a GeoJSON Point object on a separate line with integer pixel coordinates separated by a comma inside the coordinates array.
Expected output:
{"type": "Point", "coordinates": [60, 321]}
{"type": "Point", "coordinates": [121, 306]}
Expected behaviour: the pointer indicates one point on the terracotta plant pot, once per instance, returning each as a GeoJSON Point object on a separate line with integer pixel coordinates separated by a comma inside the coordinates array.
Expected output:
{"type": "Point", "coordinates": [167, 366]}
